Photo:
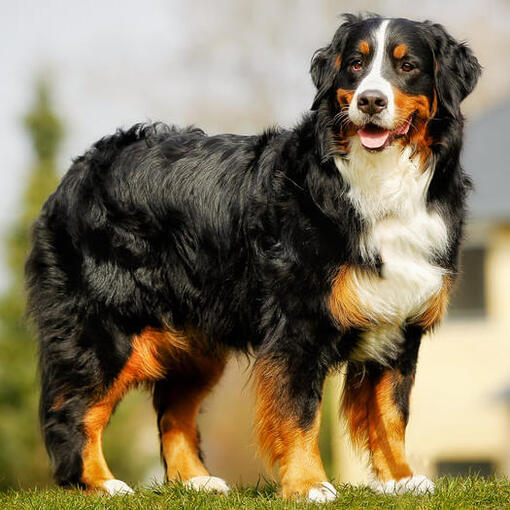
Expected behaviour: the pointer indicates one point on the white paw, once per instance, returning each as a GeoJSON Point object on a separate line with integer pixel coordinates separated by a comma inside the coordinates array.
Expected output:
{"type": "Point", "coordinates": [117, 487]}
{"type": "Point", "coordinates": [207, 483]}
{"type": "Point", "coordinates": [417, 484]}
{"type": "Point", "coordinates": [322, 493]}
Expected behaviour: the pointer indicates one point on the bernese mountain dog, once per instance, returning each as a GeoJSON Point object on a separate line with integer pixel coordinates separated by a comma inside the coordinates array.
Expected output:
{"type": "Point", "coordinates": [333, 244]}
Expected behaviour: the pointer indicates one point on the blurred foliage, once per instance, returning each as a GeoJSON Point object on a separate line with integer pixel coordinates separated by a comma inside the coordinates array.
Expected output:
{"type": "Point", "coordinates": [22, 458]}
{"type": "Point", "coordinates": [328, 425]}
{"type": "Point", "coordinates": [23, 461]}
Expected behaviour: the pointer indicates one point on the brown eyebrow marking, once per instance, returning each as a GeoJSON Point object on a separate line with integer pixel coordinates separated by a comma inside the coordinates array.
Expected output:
{"type": "Point", "coordinates": [400, 51]}
{"type": "Point", "coordinates": [364, 47]}
{"type": "Point", "coordinates": [338, 61]}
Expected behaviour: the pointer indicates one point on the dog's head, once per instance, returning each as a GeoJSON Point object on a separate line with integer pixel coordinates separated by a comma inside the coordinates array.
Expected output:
{"type": "Point", "coordinates": [384, 79]}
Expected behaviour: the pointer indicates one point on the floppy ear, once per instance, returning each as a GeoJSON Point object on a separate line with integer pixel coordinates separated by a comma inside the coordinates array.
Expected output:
{"type": "Point", "coordinates": [456, 69]}
{"type": "Point", "coordinates": [324, 66]}
{"type": "Point", "coordinates": [322, 72]}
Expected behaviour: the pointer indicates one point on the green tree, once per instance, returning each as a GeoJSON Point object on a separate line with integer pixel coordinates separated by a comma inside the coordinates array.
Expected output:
{"type": "Point", "coordinates": [22, 459]}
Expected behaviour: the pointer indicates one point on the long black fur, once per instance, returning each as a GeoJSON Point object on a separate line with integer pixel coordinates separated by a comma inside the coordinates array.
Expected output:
{"type": "Point", "coordinates": [239, 236]}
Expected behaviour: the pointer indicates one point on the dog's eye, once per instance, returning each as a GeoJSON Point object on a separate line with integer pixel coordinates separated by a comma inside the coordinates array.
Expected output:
{"type": "Point", "coordinates": [407, 66]}
{"type": "Point", "coordinates": [356, 65]}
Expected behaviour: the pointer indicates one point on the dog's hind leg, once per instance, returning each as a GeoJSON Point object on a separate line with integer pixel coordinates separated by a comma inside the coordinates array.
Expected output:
{"type": "Point", "coordinates": [73, 427]}
{"type": "Point", "coordinates": [144, 364]}
{"type": "Point", "coordinates": [289, 392]}
{"type": "Point", "coordinates": [177, 401]}
{"type": "Point", "coordinates": [77, 399]}
{"type": "Point", "coordinates": [96, 473]}
{"type": "Point", "coordinates": [74, 418]}
{"type": "Point", "coordinates": [376, 405]}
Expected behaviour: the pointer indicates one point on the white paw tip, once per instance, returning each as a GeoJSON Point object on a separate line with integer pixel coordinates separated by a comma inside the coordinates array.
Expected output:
{"type": "Point", "coordinates": [322, 493]}
{"type": "Point", "coordinates": [417, 484]}
{"type": "Point", "coordinates": [207, 483]}
{"type": "Point", "coordinates": [117, 487]}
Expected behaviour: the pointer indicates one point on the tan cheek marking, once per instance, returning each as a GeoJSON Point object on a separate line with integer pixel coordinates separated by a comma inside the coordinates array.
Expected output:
{"type": "Point", "coordinates": [436, 307]}
{"type": "Point", "coordinates": [364, 47]}
{"type": "Point", "coordinates": [400, 51]}
{"type": "Point", "coordinates": [338, 61]}
{"type": "Point", "coordinates": [406, 105]}
{"type": "Point", "coordinates": [347, 129]}
{"type": "Point", "coordinates": [344, 97]}
{"type": "Point", "coordinates": [343, 302]}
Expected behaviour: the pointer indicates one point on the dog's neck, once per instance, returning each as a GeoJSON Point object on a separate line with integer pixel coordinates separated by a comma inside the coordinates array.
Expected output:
{"type": "Point", "coordinates": [391, 182]}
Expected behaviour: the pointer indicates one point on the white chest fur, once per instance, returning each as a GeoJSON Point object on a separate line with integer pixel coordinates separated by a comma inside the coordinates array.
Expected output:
{"type": "Point", "coordinates": [389, 191]}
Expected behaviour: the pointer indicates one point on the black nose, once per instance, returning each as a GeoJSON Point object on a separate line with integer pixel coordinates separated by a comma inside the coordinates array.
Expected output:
{"type": "Point", "coordinates": [372, 101]}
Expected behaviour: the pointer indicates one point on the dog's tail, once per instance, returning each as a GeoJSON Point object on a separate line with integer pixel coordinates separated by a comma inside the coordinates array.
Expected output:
{"type": "Point", "coordinates": [56, 315]}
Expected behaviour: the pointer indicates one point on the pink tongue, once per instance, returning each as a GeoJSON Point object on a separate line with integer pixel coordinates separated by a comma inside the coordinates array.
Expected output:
{"type": "Point", "coordinates": [373, 139]}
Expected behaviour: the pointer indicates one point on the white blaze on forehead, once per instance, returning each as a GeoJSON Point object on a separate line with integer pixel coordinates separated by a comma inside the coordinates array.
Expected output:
{"type": "Point", "coordinates": [374, 79]}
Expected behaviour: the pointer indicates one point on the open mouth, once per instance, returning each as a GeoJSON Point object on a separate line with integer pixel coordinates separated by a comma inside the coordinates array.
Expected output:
{"type": "Point", "coordinates": [375, 137]}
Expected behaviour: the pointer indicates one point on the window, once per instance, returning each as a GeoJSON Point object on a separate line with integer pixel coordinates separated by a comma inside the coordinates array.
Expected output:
{"type": "Point", "coordinates": [468, 298]}
{"type": "Point", "coordinates": [485, 468]}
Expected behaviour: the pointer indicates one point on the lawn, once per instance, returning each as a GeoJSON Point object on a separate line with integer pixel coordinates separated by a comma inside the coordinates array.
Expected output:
{"type": "Point", "coordinates": [463, 493]}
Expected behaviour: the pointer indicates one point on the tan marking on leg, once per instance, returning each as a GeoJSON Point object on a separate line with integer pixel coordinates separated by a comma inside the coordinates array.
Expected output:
{"type": "Point", "coordinates": [150, 355]}
{"type": "Point", "coordinates": [95, 469]}
{"type": "Point", "coordinates": [178, 428]}
{"type": "Point", "coordinates": [281, 438]}
{"type": "Point", "coordinates": [436, 306]}
{"type": "Point", "coordinates": [386, 431]}
{"type": "Point", "coordinates": [155, 350]}
{"type": "Point", "coordinates": [343, 302]}
{"type": "Point", "coordinates": [356, 396]}
{"type": "Point", "coordinates": [400, 51]}
{"type": "Point", "coordinates": [375, 422]}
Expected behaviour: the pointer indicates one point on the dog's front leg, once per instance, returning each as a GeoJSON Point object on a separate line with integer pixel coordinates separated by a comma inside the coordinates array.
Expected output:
{"type": "Point", "coordinates": [289, 391]}
{"type": "Point", "coordinates": [376, 405]}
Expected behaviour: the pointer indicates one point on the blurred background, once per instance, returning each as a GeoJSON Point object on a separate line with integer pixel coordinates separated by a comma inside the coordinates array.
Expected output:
{"type": "Point", "coordinates": [73, 71]}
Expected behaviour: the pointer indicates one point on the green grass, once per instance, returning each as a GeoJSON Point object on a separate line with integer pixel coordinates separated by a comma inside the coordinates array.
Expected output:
{"type": "Point", "coordinates": [458, 493]}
